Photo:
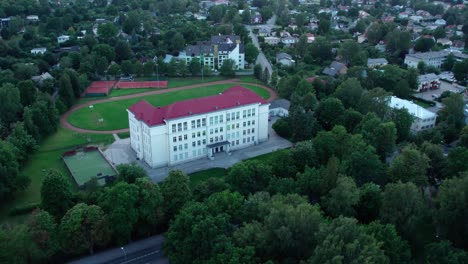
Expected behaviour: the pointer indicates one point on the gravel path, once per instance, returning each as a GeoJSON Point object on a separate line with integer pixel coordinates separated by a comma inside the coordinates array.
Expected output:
{"type": "Point", "coordinates": [64, 118]}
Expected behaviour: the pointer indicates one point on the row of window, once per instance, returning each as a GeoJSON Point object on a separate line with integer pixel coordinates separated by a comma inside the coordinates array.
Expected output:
{"type": "Point", "coordinates": [236, 115]}
{"type": "Point", "coordinates": [244, 141]}
{"type": "Point", "coordinates": [183, 126]}
{"type": "Point", "coordinates": [185, 155]}
{"type": "Point", "coordinates": [185, 137]}
{"type": "Point", "coordinates": [216, 130]}
{"type": "Point", "coordinates": [216, 139]}
{"type": "Point", "coordinates": [216, 119]}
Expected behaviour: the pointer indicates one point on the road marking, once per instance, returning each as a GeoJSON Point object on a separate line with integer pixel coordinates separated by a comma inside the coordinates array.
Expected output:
{"type": "Point", "coordinates": [140, 257]}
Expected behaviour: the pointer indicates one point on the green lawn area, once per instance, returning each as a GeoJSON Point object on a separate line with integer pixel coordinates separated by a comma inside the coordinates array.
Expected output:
{"type": "Point", "coordinates": [124, 135]}
{"type": "Point", "coordinates": [422, 103]}
{"type": "Point", "coordinates": [197, 177]}
{"type": "Point", "coordinates": [49, 157]}
{"type": "Point", "coordinates": [115, 114]}
{"type": "Point", "coordinates": [122, 92]}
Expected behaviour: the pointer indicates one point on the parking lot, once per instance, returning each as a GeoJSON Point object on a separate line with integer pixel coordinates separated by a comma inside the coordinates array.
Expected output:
{"type": "Point", "coordinates": [444, 86]}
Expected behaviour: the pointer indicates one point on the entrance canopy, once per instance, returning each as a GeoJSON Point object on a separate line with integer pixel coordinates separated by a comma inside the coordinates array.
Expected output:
{"type": "Point", "coordinates": [218, 144]}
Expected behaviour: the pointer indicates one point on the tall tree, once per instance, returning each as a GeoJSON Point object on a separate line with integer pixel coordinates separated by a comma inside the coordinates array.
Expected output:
{"type": "Point", "coordinates": [150, 205]}
{"type": "Point", "coordinates": [228, 68]}
{"type": "Point", "coordinates": [176, 192]}
{"type": "Point", "coordinates": [119, 203]}
{"type": "Point", "coordinates": [443, 252]}
{"type": "Point", "coordinates": [129, 173]}
{"type": "Point", "coordinates": [56, 195]}
{"type": "Point", "coordinates": [349, 92]}
{"type": "Point", "coordinates": [23, 142]}
{"type": "Point", "coordinates": [66, 90]}
{"type": "Point", "coordinates": [10, 178]}
{"type": "Point", "coordinates": [10, 108]}
{"type": "Point", "coordinates": [370, 201]}
{"type": "Point", "coordinates": [27, 92]}
{"type": "Point", "coordinates": [403, 121]}
{"type": "Point", "coordinates": [410, 166]}
{"type": "Point", "coordinates": [249, 177]}
{"type": "Point", "coordinates": [396, 249]}
{"type": "Point", "coordinates": [251, 53]}
{"type": "Point", "coordinates": [330, 113]}
{"type": "Point", "coordinates": [43, 231]}
{"type": "Point", "coordinates": [83, 228]}
{"type": "Point", "coordinates": [342, 198]}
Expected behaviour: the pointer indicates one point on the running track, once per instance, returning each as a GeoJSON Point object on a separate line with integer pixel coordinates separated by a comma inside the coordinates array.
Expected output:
{"type": "Point", "coordinates": [64, 117]}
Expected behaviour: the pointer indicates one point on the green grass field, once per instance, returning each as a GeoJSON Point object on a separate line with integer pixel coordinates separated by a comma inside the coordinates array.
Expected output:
{"type": "Point", "coordinates": [86, 165]}
{"type": "Point", "coordinates": [49, 157]}
{"type": "Point", "coordinates": [115, 115]}
{"type": "Point", "coordinates": [122, 92]}
{"type": "Point", "coordinates": [197, 177]}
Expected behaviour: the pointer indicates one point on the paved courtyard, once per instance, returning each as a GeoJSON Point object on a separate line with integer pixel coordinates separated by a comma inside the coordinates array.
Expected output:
{"type": "Point", "coordinates": [120, 152]}
{"type": "Point", "coordinates": [432, 94]}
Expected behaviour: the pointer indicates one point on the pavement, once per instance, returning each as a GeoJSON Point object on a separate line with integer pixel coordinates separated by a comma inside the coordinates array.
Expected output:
{"type": "Point", "coordinates": [431, 95]}
{"type": "Point", "coordinates": [144, 251]}
{"type": "Point", "coordinates": [261, 59]}
{"type": "Point", "coordinates": [120, 152]}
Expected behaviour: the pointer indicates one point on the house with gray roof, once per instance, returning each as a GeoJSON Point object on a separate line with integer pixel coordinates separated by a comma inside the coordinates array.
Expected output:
{"type": "Point", "coordinates": [279, 107]}
{"type": "Point", "coordinates": [284, 59]}
{"type": "Point", "coordinates": [379, 62]}
{"type": "Point", "coordinates": [335, 68]}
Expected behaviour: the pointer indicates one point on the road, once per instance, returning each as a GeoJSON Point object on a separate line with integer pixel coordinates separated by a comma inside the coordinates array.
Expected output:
{"type": "Point", "coordinates": [148, 250]}
{"type": "Point", "coordinates": [261, 59]}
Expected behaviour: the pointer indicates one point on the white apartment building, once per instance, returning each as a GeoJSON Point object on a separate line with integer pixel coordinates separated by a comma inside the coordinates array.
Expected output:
{"type": "Point", "coordinates": [432, 58]}
{"type": "Point", "coordinates": [63, 39]}
{"type": "Point", "coordinates": [423, 118]}
{"type": "Point", "coordinates": [36, 51]}
{"type": "Point", "coordinates": [198, 128]}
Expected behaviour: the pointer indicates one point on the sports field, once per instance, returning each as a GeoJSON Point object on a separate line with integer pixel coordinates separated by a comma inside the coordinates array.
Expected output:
{"type": "Point", "coordinates": [85, 165]}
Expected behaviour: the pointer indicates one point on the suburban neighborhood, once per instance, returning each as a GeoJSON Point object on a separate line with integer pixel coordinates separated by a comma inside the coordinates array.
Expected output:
{"type": "Point", "coordinates": [233, 131]}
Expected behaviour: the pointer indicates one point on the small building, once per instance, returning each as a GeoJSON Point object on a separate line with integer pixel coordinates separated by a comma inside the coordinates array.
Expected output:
{"type": "Point", "coordinates": [289, 40]}
{"type": "Point", "coordinates": [427, 82]}
{"type": "Point", "coordinates": [264, 32]}
{"type": "Point", "coordinates": [39, 79]}
{"type": "Point", "coordinates": [440, 22]}
{"type": "Point", "coordinates": [379, 62]}
{"type": "Point", "coordinates": [256, 18]}
{"type": "Point", "coordinates": [272, 40]}
{"type": "Point", "coordinates": [445, 42]}
{"type": "Point", "coordinates": [284, 59]}
{"type": "Point", "coordinates": [32, 18]}
{"type": "Point", "coordinates": [36, 51]}
{"type": "Point", "coordinates": [310, 37]}
{"type": "Point", "coordinates": [423, 118]}
{"type": "Point", "coordinates": [63, 39]}
{"type": "Point", "coordinates": [335, 68]}
{"type": "Point", "coordinates": [280, 107]}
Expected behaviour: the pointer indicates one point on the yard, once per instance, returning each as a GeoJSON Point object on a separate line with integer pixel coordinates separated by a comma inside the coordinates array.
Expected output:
{"type": "Point", "coordinates": [49, 157]}
{"type": "Point", "coordinates": [114, 114]}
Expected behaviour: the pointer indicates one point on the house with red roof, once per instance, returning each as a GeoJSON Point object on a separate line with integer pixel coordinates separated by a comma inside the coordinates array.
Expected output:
{"type": "Point", "coordinates": [197, 128]}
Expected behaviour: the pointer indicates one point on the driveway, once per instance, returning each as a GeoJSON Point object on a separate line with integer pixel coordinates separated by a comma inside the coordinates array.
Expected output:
{"type": "Point", "coordinates": [120, 152]}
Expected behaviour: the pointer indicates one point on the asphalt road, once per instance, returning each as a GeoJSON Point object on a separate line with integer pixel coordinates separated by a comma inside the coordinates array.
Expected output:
{"type": "Point", "coordinates": [144, 251]}
{"type": "Point", "coordinates": [261, 59]}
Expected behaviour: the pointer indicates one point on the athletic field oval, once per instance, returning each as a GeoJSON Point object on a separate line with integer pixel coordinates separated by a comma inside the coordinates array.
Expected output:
{"type": "Point", "coordinates": [112, 114]}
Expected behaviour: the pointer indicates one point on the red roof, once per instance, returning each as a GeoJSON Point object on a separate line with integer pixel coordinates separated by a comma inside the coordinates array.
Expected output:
{"type": "Point", "coordinates": [99, 87]}
{"type": "Point", "coordinates": [232, 97]}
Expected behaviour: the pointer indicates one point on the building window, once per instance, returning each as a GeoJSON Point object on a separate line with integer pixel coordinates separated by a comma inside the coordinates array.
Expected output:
{"type": "Point", "coordinates": [185, 126]}
{"type": "Point", "coordinates": [179, 127]}
{"type": "Point", "coordinates": [211, 140]}
{"type": "Point", "coordinates": [198, 123]}
{"type": "Point", "coordinates": [237, 142]}
{"type": "Point", "coordinates": [233, 126]}
{"type": "Point", "coordinates": [221, 138]}
{"type": "Point", "coordinates": [253, 112]}
{"type": "Point", "coordinates": [193, 135]}
{"type": "Point", "coordinates": [180, 138]}
{"type": "Point", "coordinates": [253, 122]}
{"type": "Point", "coordinates": [186, 155]}
{"type": "Point", "coordinates": [228, 117]}
{"type": "Point", "coordinates": [216, 120]}
{"type": "Point", "coordinates": [233, 116]}
{"type": "Point", "coordinates": [243, 124]}
{"type": "Point", "coordinates": [211, 131]}
{"type": "Point", "coordinates": [194, 153]}
{"type": "Point", "coordinates": [204, 142]}
{"type": "Point", "coordinates": [253, 139]}
{"type": "Point", "coordinates": [249, 113]}
{"type": "Point", "coordinates": [185, 137]}
{"type": "Point", "coordinates": [221, 129]}
{"type": "Point", "coordinates": [203, 121]}
{"type": "Point", "coordinates": [186, 146]}
{"type": "Point", "coordinates": [181, 156]}
{"type": "Point", "coordinates": [228, 128]}
{"type": "Point", "coordinates": [248, 139]}
{"type": "Point", "coordinates": [243, 141]}
{"type": "Point", "coordinates": [253, 130]}
{"type": "Point", "coordinates": [198, 143]}
{"type": "Point", "coordinates": [220, 119]}
{"type": "Point", "coordinates": [193, 124]}
{"type": "Point", "coordinates": [244, 113]}
{"type": "Point", "coordinates": [237, 125]}
{"type": "Point", "coordinates": [216, 130]}
{"type": "Point", "coordinates": [175, 148]}
{"type": "Point", "coordinates": [204, 133]}
{"type": "Point", "coordinates": [173, 128]}
{"type": "Point", "coordinates": [216, 139]}
{"type": "Point", "coordinates": [180, 147]}
{"type": "Point", "coordinates": [193, 144]}
{"type": "Point", "coordinates": [175, 157]}
{"type": "Point", "coordinates": [174, 139]}
{"type": "Point", "coordinates": [243, 132]}
{"type": "Point", "coordinates": [237, 114]}
{"type": "Point", "coordinates": [211, 120]}
{"type": "Point", "coordinates": [228, 136]}
{"type": "Point", "coordinates": [198, 134]}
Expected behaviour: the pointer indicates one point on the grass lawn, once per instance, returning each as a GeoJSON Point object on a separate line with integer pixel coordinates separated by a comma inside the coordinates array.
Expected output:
{"type": "Point", "coordinates": [422, 103]}
{"type": "Point", "coordinates": [115, 115]}
{"type": "Point", "coordinates": [49, 157]}
{"type": "Point", "coordinates": [122, 92]}
{"type": "Point", "coordinates": [124, 135]}
{"type": "Point", "coordinates": [197, 177]}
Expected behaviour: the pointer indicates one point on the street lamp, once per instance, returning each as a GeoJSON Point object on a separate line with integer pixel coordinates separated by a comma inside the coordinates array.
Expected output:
{"type": "Point", "coordinates": [125, 253]}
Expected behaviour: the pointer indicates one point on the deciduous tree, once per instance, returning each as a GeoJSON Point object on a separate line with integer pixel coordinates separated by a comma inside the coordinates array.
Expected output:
{"type": "Point", "coordinates": [56, 195]}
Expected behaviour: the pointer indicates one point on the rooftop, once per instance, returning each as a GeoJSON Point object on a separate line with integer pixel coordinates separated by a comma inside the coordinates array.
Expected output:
{"type": "Point", "coordinates": [233, 97]}
{"type": "Point", "coordinates": [414, 109]}
{"type": "Point", "coordinates": [427, 77]}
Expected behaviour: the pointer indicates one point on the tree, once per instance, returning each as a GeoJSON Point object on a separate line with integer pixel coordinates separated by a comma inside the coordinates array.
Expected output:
{"type": "Point", "coordinates": [320, 50]}
{"type": "Point", "coordinates": [83, 228]}
{"type": "Point", "coordinates": [129, 173]}
{"type": "Point", "coordinates": [150, 205]}
{"type": "Point", "coordinates": [453, 208]}
{"type": "Point", "coordinates": [443, 252]}
{"type": "Point", "coordinates": [350, 244]}
{"type": "Point", "coordinates": [403, 121]}
{"type": "Point", "coordinates": [382, 136]}
{"type": "Point", "coordinates": [66, 90]}
{"type": "Point", "coordinates": [114, 70]}
{"type": "Point", "coordinates": [249, 177]}
{"type": "Point", "coordinates": [207, 187]}
{"type": "Point", "coordinates": [227, 69]}
{"type": "Point", "coordinates": [424, 44]}
{"type": "Point", "coordinates": [176, 192]}
{"type": "Point", "coordinates": [396, 249]}
{"type": "Point", "coordinates": [410, 166]}
{"type": "Point", "coordinates": [119, 203]}
{"type": "Point", "coordinates": [403, 206]}
{"type": "Point", "coordinates": [123, 51]}
{"type": "Point", "coordinates": [17, 246]}
{"type": "Point", "coordinates": [437, 160]}
{"type": "Point", "coordinates": [104, 50]}
{"type": "Point", "coordinates": [352, 54]}
{"type": "Point", "coordinates": [301, 46]}
{"type": "Point", "coordinates": [195, 66]}
{"type": "Point", "coordinates": [10, 108]}
{"type": "Point", "coordinates": [23, 142]}
{"type": "Point", "coordinates": [452, 115]}
{"type": "Point", "coordinates": [251, 52]}
{"type": "Point", "coordinates": [10, 178]}
{"type": "Point", "coordinates": [341, 199]}
{"type": "Point", "coordinates": [398, 41]}
{"type": "Point", "coordinates": [349, 92]}
{"type": "Point", "coordinates": [56, 195]}
{"type": "Point", "coordinates": [27, 92]}
{"type": "Point", "coordinates": [132, 22]}
{"type": "Point", "coordinates": [107, 31]}
{"type": "Point", "coordinates": [460, 71]}
{"type": "Point", "coordinates": [370, 201]}
{"type": "Point", "coordinates": [43, 232]}
{"type": "Point", "coordinates": [330, 112]}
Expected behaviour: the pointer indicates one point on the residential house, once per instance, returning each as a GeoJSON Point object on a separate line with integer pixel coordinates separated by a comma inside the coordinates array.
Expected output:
{"type": "Point", "coordinates": [272, 40]}
{"type": "Point", "coordinates": [335, 68]}
{"type": "Point", "coordinates": [5, 22]}
{"type": "Point", "coordinates": [440, 22]}
{"type": "Point", "coordinates": [289, 40]}
{"type": "Point", "coordinates": [256, 18]}
{"type": "Point", "coordinates": [445, 42]}
{"type": "Point", "coordinates": [197, 128]}
{"type": "Point", "coordinates": [427, 82]}
{"type": "Point", "coordinates": [32, 18]}
{"type": "Point", "coordinates": [264, 32]}
{"type": "Point", "coordinates": [63, 39]}
{"type": "Point", "coordinates": [36, 51]}
{"type": "Point", "coordinates": [279, 107]}
{"type": "Point", "coordinates": [39, 79]}
{"type": "Point", "coordinates": [379, 62]}
{"type": "Point", "coordinates": [310, 37]}
{"type": "Point", "coordinates": [432, 58]}
{"type": "Point", "coordinates": [423, 118]}
{"type": "Point", "coordinates": [284, 59]}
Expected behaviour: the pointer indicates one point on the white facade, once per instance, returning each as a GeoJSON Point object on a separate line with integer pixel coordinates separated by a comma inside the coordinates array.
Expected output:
{"type": "Point", "coordinates": [423, 118]}
{"type": "Point", "coordinates": [197, 136]}
{"type": "Point", "coordinates": [272, 40]}
{"type": "Point", "coordinates": [433, 58]}
{"type": "Point", "coordinates": [63, 38]}
{"type": "Point", "coordinates": [38, 51]}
